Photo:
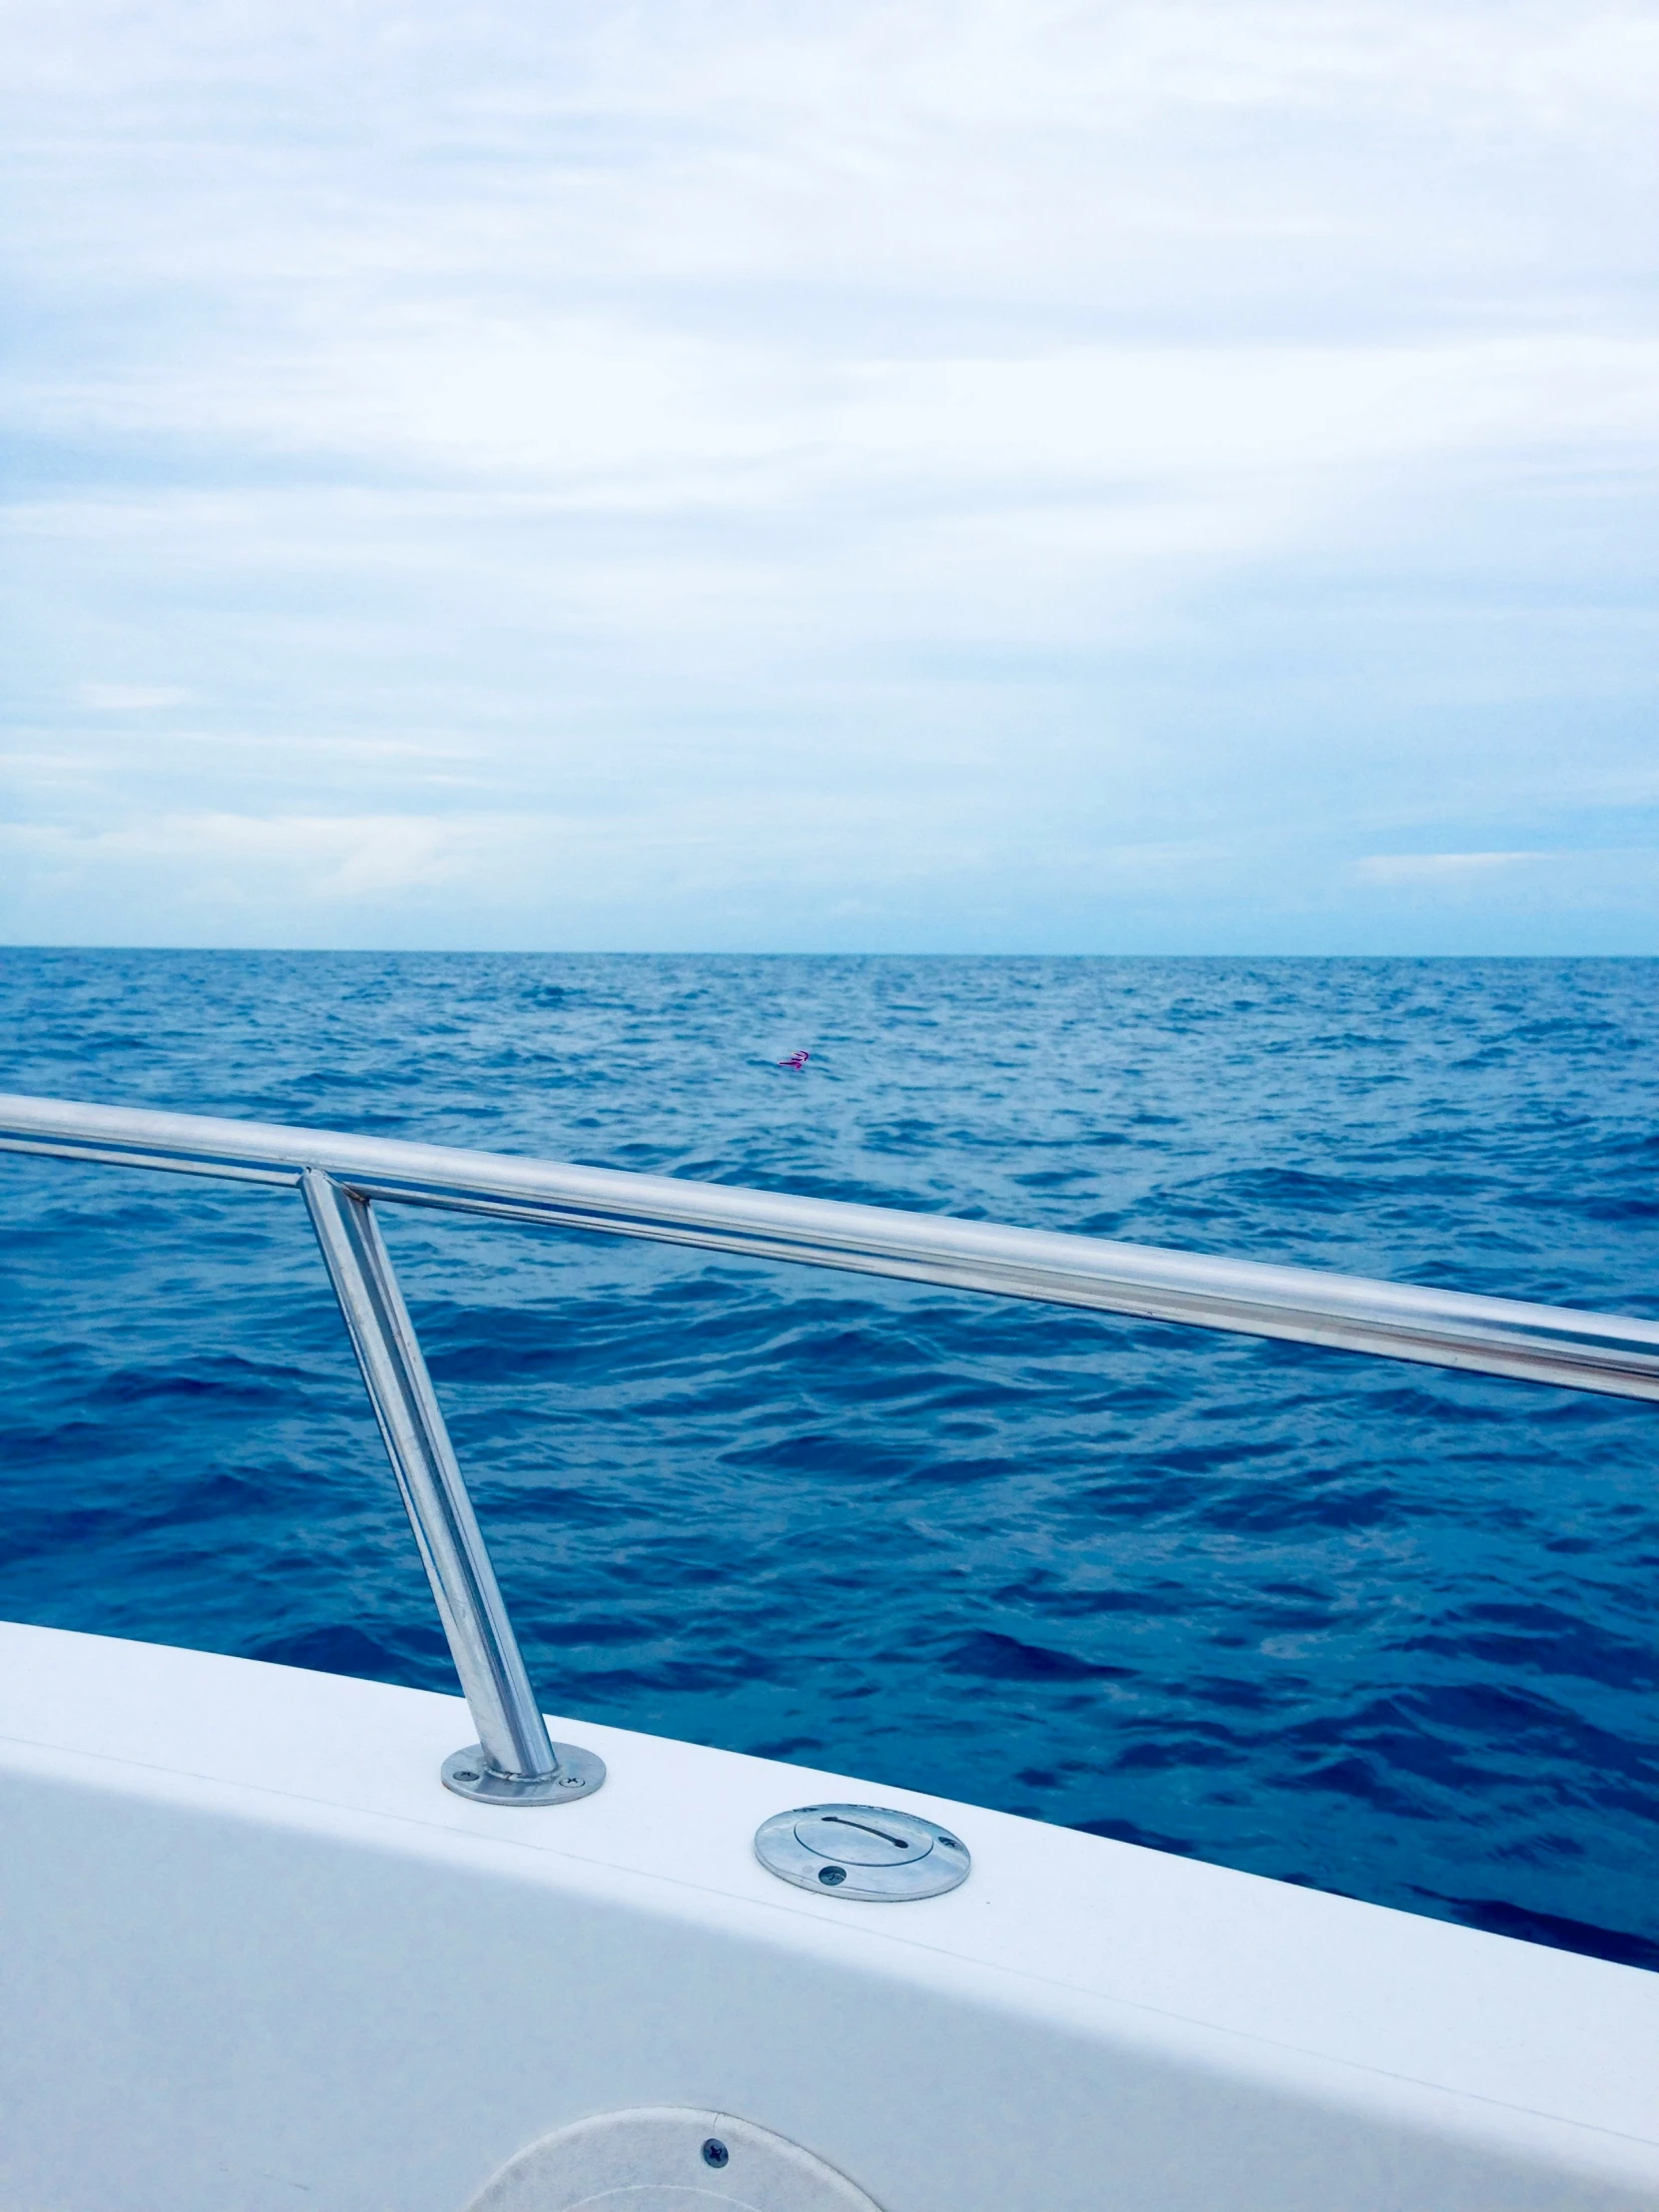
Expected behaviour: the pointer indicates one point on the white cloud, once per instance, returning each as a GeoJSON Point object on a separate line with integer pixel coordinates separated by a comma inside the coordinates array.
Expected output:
{"type": "Point", "coordinates": [1438, 869]}
{"type": "Point", "coordinates": [344, 859]}
{"type": "Point", "coordinates": [246, 860]}
{"type": "Point", "coordinates": [1030, 445]}
{"type": "Point", "coordinates": [1621, 880]}
{"type": "Point", "coordinates": [129, 698]}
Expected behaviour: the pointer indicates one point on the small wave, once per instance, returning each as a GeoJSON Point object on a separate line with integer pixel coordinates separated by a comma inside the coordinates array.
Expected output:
{"type": "Point", "coordinates": [1382, 1629]}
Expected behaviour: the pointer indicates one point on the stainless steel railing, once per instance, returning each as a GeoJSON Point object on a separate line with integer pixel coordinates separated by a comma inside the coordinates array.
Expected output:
{"type": "Point", "coordinates": [342, 1176]}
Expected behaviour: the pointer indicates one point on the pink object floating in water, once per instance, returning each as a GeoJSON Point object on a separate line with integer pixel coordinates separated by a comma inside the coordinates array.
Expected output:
{"type": "Point", "coordinates": [798, 1061]}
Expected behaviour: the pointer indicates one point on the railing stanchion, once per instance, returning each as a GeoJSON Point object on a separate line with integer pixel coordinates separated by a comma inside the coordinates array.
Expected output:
{"type": "Point", "coordinates": [513, 1761]}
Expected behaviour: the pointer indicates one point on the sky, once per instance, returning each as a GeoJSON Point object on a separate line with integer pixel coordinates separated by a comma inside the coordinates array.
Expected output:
{"type": "Point", "coordinates": [900, 477]}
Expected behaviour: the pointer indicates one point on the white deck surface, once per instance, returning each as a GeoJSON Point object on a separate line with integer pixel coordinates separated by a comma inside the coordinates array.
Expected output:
{"type": "Point", "coordinates": [255, 1956]}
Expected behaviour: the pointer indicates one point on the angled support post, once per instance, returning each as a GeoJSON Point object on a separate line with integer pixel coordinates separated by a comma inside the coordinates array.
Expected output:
{"type": "Point", "coordinates": [513, 1761]}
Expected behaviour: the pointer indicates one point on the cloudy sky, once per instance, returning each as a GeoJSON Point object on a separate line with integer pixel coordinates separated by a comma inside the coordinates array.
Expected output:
{"type": "Point", "coordinates": [1169, 477]}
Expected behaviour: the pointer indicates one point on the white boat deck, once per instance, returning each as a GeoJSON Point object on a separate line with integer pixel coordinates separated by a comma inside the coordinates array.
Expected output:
{"type": "Point", "coordinates": [255, 1956]}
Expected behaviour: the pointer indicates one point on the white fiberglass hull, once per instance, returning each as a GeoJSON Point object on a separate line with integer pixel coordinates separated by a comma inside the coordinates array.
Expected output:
{"type": "Point", "coordinates": [255, 1956]}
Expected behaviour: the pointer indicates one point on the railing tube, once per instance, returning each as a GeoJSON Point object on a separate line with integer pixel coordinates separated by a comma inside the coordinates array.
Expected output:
{"type": "Point", "coordinates": [513, 1762]}
{"type": "Point", "coordinates": [1613, 1353]}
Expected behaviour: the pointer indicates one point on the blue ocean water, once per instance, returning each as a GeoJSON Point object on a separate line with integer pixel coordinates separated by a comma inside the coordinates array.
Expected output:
{"type": "Point", "coordinates": [1380, 1630]}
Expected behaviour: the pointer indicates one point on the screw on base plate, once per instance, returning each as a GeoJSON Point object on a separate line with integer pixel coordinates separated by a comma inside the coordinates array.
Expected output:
{"type": "Point", "coordinates": [469, 1773]}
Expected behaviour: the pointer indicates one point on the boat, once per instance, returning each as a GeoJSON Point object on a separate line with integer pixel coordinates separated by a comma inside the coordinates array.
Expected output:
{"type": "Point", "coordinates": [280, 1938]}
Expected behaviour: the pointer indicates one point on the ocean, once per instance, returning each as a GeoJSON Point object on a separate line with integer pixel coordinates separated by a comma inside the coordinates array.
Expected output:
{"type": "Point", "coordinates": [1378, 1629]}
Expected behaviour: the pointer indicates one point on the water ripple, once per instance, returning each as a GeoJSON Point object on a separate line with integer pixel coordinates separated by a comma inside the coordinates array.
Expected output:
{"type": "Point", "coordinates": [1389, 1631]}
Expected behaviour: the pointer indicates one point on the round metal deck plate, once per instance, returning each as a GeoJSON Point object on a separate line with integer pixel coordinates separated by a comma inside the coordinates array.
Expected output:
{"type": "Point", "coordinates": [469, 1773]}
{"type": "Point", "coordinates": [867, 1852]}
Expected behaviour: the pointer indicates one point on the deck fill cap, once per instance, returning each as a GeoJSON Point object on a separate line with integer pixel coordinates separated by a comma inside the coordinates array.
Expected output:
{"type": "Point", "coordinates": [869, 1852]}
